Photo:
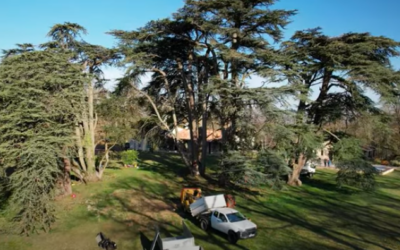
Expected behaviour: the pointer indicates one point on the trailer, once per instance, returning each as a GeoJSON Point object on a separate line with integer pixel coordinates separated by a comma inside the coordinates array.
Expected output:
{"type": "Point", "coordinates": [213, 212]}
{"type": "Point", "coordinates": [182, 242]}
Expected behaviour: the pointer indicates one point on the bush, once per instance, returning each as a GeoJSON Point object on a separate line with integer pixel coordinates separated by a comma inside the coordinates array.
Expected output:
{"type": "Point", "coordinates": [129, 157]}
{"type": "Point", "coordinates": [377, 161]}
{"type": "Point", "coordinates": [253, 168]}
{"type": "Point", "coordinates": [395, 163]}
{"type": "Point", "coordinates": [356, 173]}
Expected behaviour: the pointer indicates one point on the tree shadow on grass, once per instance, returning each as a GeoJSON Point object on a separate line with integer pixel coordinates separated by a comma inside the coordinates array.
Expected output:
{"type": "Point", "coordinates": [170, 167]}
{"type": "Point", "coordinates": [334, 218]}
{"type": "Point", "coordinates": [143, 224]}
{"type": "Point", "coordinates": [319, 208]}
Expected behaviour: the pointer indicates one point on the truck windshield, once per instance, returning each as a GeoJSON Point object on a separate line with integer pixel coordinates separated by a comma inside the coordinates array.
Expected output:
{"type": "Point", "coordinates": [235, 217]}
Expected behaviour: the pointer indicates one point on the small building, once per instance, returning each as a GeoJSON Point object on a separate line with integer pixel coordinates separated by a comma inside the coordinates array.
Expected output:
{"type": "Point", "coordinates": [139, 145]}
{"type": "Point", "coordinates": [214, 138]}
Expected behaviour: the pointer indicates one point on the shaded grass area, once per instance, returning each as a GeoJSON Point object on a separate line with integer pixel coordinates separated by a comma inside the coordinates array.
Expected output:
{"type": "Point", "coordinates": [129, 203]}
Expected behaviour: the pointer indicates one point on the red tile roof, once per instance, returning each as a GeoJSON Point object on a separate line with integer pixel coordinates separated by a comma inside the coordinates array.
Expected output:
{"type": "Point", "coordinates": [184, 134]}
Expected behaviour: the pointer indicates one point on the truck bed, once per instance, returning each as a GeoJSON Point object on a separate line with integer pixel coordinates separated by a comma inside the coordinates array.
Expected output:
{"type": "Point", "coordinates": [207, 203]}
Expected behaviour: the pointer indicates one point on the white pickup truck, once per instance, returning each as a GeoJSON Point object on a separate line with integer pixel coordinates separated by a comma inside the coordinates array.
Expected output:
{"type": "Point", "coordinates": [212, 212]}
{"type": "Point", "coordinates": [308, 169]}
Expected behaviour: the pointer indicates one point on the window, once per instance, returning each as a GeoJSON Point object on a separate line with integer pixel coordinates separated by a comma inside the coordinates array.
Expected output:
{"type": "Point", "coordinates": [215, 214]}
{"type": "Point", "coordinates": [222, 218]}
{"type": "Point", "coordinates": [235, 217]}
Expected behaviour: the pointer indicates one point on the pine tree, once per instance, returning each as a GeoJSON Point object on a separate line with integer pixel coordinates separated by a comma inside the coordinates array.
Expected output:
{"type": "Point", "coordinates": [342, 67]}
{"type": "Point", "coordinates": [39, 96]}
{"type": "Point", "coordinates": [68, 36]}
{"type": "Point", "coordinates": [201, 59]}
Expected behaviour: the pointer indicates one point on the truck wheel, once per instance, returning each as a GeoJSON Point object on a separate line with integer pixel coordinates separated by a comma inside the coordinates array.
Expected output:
{"type": "Point", "coordinates": [232, 237]}
{"type": "Point", "coordinates": [204, 224]}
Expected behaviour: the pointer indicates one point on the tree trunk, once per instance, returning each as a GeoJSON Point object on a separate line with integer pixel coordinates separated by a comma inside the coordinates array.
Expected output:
{"type": "Point", "coordinates": [79, 144]}
{"type": "Point", "coordinates": [294, 177]}
{"type": "Point", "coordinates": [66, 176]}
{"type": "Point", "coordinates": [92, 119]}
{"type": "Point", "coordinates": [174, 130]}
{"type": "Point", "coordinates": [204, 141]}
{"type": "Point", "coordinates": [89, 126]}
{"type": "Point", "coordinates": [322, 96]}
{"type": "Point", "coordinates": [91, 169]}
{"type": "Point", "coordinates": [65, 182]}
{"type": "Point", "coordinates": [77, 171]}
{"type": "Point", "coordinates": [193, 124]}
{"type": "Point", "coordinates": [104, 162]}
{"type": "Point", "coordinates": [204, 136]}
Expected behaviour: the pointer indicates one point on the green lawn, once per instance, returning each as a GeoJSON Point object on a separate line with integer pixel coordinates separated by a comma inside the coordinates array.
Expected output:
{"type": "Point", "coordinates": [130, 202]}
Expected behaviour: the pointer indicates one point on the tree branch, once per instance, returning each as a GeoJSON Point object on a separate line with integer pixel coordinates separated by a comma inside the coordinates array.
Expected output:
{"type": "Point", "coordinates": [332, 134]}
{"type": "Point", "coordinates": [154, 107]}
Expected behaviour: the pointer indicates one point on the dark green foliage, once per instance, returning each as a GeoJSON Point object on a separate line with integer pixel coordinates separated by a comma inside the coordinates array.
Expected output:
{"type": "Point", "coordinates": [207, 51]}
{"type": "Point", "coordinates": [353, 169]}
{"type": "Point", "coordinates": [356, 172]}
{"type": "Point", "coordinates": [347, 149]}
{"type": "Point", "coordinates": [348, 63]}
{"type": "Point", "coordinates": [39, 95]}
{"type": "Point", "coordinates": [342, 68]}
{"type": "Point", "coordinates": [253, 168]}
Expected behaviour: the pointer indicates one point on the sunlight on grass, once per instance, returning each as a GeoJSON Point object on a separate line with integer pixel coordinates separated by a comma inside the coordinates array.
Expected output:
{"type": "Point", "coordinates": [133, 201]}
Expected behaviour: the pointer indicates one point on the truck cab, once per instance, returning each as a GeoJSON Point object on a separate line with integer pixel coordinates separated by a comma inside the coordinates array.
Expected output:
{"type": "Point", "coordinates": [308, 169]}
{"type": "Point", "coordinates": [233, 223]}
{"type": "Point", "coordinates": [213, 212]}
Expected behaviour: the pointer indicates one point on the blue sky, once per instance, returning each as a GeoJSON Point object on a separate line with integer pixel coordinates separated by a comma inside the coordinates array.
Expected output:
{"type": "Point", "coordinates": [29, 20]}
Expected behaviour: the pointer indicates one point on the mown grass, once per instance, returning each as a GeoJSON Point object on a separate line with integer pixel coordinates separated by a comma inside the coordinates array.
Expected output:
{"type": "Point", "coordinates": [131, 202]}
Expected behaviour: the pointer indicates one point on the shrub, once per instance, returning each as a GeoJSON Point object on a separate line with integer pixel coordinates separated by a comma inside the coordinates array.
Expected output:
{"type": "Point", "coordinates": [356, 173]}
{"type": "Point", "coordinates": [395, 163]}
{"type": "Point", "coordinates": [252, 168]}
{"type": "Point", "coordinates": [129, 157]}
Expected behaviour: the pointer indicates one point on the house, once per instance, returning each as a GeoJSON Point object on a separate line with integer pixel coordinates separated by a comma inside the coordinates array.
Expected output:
{"type": "Point", "coordinates": [140, 145]}
{"type": "Point", "coordinates": [214, 138]}
{"type": "Point", "coordinates": [325, 153]}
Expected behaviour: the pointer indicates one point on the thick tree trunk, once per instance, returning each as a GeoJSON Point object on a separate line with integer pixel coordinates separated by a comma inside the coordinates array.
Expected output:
{"type": "Point", "coordinates": [322, 96]}
{"type": "Point", "coordinates": [204, 141]}
{"type": "Point", "coordinates": [92, 119]}
{"type": "Point", "coordinates": [89, 126]}
{"type": "Point", "coordinates": [294, 177]}
{"type": "Point", "coordinates": [89, 156]}
{"type": "Point", "coordinates": [193, 124]}
{"type": "Point", "coordinates": [66, 176]}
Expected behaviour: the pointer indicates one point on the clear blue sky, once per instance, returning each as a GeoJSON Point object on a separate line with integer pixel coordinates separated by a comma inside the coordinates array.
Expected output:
{"type": "Point", "coordinates": [29, 20]}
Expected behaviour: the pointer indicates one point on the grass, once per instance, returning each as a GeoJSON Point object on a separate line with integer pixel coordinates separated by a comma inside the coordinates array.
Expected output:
{"type": "Point", "coordinates": [130, 202]}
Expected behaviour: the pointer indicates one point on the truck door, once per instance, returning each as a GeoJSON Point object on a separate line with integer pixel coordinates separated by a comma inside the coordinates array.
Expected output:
{"type": "Point", "coordinates": [214, 221]}
{"type": "Point", "coordinates": [223, 224]}
{"type": "Point", "coordinates": [219, 222]}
